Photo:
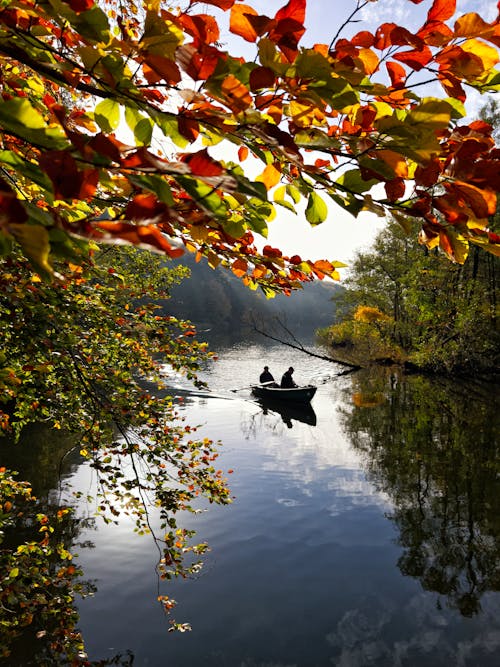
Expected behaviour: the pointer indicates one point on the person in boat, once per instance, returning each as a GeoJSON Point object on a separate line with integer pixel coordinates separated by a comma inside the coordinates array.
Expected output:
{"type": "Point", "coordinates": [287, 381]}
{"type": "Point", "coordinates": [266, 376]}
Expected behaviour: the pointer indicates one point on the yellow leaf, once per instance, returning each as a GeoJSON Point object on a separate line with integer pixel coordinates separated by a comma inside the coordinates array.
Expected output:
{"type": "Point", "coordinates": [370, 60]}
{"type": "Point", "coordinates": [396, 161]}
{"type": "Point", "coordinates": [34, 240]}
{"type": "Point", "coordinates": [485, 52]}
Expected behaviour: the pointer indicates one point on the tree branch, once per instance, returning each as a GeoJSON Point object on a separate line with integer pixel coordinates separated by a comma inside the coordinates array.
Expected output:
{"type": "Point", "coordinates": [297, 345]}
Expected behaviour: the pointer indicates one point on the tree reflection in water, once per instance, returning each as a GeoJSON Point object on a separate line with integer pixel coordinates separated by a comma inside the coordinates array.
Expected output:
{"type": "Point", "coordinates": [44, 599]}
{"type": "Point", "coordinates": [432, 447]}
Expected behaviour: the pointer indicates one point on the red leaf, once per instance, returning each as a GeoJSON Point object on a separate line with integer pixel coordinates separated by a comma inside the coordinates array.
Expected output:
{"type": "Point", "coordinates": [167, 69]}
{"type": "Point", "coordinates": [294, 9]}
{"type": "Point", "coordinates": [262, 77]}
{"type": "Point", "coordinates": [364, 39]}
{"type": "Point", "coordinates": [198, 62]}
{"type": "Point", "coordinates": [203, 27]}
{"type": "Point", "coordinates": [286, 35]}
{"type": "Point", "coordinates": [141, 235]}
{"type": "Point", "coordinates": [239, 267]}
{"type": "Point", "coordinates": [201, 164]}
{"type": "Point", "coordinates": [416, 59]}
{"type": "Point", "coordinates": [269, 251]}
{"type": "Point", "coordinates": [221, 4]}
{"type": "Point", "coordinates": [188, 128]}
{"type": "Point", "coordinates": [390, 34]}
{"type": "Point", "coordinates": [395, 189]}
{"type": "Point", "coordinates": [80, 5]}
{"type": "Point", "coordinates": [397, 73]}
{"type": "Point", "coordinates": [68, 181]}
{"type": "Point", "coordinates": [428, 175]}
{"type": "Point", "coordinates": [442, 10]}
{"type": "Point", "coordinates": [145, 206]}
{"type": "Point", "coordinates": [108, 145]}
{"type": "Point", "coordinates": [10, 206]}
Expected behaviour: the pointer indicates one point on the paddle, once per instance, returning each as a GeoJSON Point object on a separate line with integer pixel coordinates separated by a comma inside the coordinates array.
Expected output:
{"type": "Point", "coordinates": [261, 384]}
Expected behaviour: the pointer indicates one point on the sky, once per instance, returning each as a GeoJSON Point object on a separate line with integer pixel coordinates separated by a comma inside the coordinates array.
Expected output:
{"type": "Point", "coordinates": [341, 236]}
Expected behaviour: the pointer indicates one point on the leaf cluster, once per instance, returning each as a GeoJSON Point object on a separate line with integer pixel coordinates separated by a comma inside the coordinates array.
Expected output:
{"type": "Point", "coordinates": [327, 121]}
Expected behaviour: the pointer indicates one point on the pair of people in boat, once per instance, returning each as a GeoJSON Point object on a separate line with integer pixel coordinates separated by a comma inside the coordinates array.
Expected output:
{"type": "Point", "coordinates": [287, 381]}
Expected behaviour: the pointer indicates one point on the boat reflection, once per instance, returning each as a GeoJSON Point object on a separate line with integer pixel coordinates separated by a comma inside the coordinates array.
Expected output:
{"type": "Point", "coordinates": [302, 412]}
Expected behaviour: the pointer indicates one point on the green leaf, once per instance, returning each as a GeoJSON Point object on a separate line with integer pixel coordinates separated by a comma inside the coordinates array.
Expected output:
{"type": "Point", "coordinates": [316, 210]}
{"type": "Point", "coordinates": [107, 115]}
{"type": "Point", "coordinates": [14, 573]}
{"type": "Point", "coordinates": [93, 24]}
{"type": "Point", "coordinates": [143, 131]}
{"type": "Point", "coordinates": [170, 128]}
{"type": "Point", "coordinates": [156, 184]}
{"type": "Point", "coordinates": [353, 181]}
{"type": "Point", "coordinates": [26, 169]}
{"type": "Point", "coordinates": [204, 195]}
{"type": "Point", "coordinates": [19, 117]}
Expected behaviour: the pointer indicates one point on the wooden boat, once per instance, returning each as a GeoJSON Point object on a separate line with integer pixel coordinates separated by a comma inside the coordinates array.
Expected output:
{"type": "Point", "coordinates": [289, 395]}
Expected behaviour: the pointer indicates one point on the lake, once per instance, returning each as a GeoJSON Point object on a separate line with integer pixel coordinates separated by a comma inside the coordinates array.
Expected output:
{"type": "Point", "coordinates": [364, 532]}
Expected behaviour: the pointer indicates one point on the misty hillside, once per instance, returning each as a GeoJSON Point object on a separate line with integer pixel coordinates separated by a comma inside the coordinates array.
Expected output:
{"type": "Point", "coordinates": [216, 299]}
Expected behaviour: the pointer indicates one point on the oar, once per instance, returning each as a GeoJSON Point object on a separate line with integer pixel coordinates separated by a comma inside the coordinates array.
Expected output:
{"type": "Point", "coordinates": [261, 384]}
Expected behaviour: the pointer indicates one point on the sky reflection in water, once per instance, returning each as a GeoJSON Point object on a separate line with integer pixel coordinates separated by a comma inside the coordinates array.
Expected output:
{"type": "Point", "coordinates": [303, 568]}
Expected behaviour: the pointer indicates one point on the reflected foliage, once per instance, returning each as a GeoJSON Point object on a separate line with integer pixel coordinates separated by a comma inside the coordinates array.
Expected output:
{"type": "Point", "coordinates": [432, 447]}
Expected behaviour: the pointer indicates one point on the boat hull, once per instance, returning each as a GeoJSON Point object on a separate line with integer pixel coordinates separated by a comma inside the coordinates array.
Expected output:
{"type": "Point", "coordinates": [294, 395]}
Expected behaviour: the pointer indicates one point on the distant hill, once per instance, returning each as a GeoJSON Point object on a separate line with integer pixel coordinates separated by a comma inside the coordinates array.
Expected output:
{"type": "Point", "coordinates": [217, 300]}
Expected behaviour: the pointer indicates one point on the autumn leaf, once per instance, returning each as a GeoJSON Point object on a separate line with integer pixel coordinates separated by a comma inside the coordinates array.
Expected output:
{"type": "Point", "coordinates": [239, 23]}
{"type": "Point", "coordinates": [201, 164]}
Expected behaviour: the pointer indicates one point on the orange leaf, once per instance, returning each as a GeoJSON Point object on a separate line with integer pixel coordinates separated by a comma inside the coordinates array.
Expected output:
{"type": "Point", "coordinates": [239, 23]}
{"type": "Point", "coordinates": [237, 94]}
{"type": "Point", "coordinates": [242, 153]}
{"type": "Point", "coordinates": [270, 176]}
{"type": "Point", "coordinates": [239, 267]}
{"type": "Point", "coordinates": [141, 235]}
{"type": "Point", "coordinates": [481, 202]}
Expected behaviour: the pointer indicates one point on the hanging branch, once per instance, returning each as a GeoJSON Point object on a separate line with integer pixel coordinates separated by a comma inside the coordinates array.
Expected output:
{"type": "Point", "coordinates": [297, 345]}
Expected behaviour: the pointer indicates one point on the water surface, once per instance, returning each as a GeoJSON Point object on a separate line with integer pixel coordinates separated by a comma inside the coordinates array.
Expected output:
{"type": "Point", "coordinates": [366, 536]}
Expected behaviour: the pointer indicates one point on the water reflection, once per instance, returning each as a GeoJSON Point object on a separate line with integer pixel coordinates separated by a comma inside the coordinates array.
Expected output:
{"type": "Point", "coordinates": [433, 448]}
{"type": "Point", "coordinates": [289, 413]}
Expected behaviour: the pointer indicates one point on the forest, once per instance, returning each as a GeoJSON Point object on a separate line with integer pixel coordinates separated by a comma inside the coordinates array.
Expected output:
{"type": "Point", "coordinates": [407, 305]}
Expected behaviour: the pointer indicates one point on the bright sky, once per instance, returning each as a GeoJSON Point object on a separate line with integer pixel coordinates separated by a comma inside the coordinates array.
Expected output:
{"type": "Point", "coordinates": [340, 236]}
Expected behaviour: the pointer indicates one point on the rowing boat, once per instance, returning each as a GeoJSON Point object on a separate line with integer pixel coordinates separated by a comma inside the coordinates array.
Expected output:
{"type": "Point", "coordinates": [291, 394]}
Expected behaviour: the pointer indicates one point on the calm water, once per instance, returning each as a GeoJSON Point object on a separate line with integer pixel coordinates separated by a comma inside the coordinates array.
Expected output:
{"type": "Point", "coordinates": [365, 533]}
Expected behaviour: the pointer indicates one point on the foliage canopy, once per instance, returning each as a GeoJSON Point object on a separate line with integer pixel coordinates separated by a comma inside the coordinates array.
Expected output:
{"type": "Point", "coordinates": [323, 121]}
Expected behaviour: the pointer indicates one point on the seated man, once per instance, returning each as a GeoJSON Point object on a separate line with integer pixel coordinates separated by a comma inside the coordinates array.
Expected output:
{"type": "Point", "coordinates": [266, 376]}
{"type": "Point", "coordinates": [287, 380]}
